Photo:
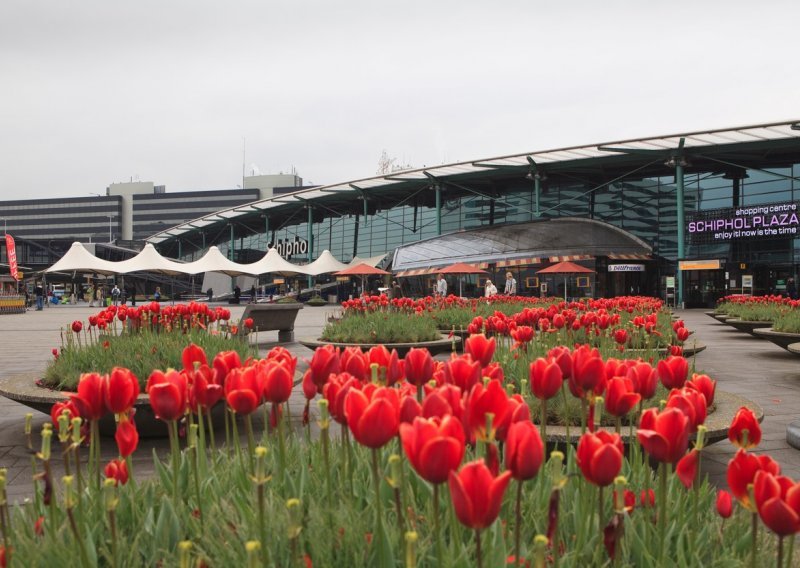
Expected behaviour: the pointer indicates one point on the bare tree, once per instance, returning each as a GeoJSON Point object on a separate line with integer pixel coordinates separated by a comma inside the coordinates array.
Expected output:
{"type": "Point", "coordinates": [385, 164]}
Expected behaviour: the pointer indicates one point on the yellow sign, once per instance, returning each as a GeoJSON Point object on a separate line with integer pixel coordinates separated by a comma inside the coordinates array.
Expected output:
{"type": "Point", "coordinates": [19, 275]}
{"type": "Point", "coordinates": [699, 264]}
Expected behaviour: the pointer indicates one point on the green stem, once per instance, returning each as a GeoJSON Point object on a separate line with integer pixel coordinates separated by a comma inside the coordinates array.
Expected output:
{"type": "Point", "coordinates": [175, 450]}
{"type": "Point", "coordinates": [281, 443]}
{"type": "Point", "coordinates": [544, 424]}
{"type": "Point", "coordinates": [754, 541]}
{"type": "Point", "coordinates": [112, 522]}
{"type": "Point", "coordinates": [325, 434]}
{"type": "Point", "coordinates": [566, 413]}
{"type": "Point", "coordinates": [662, 509]}
{"type": "Point", "coordinates": [478, 554]}
{"type": "Point", "coordinates": [780, 552]}
{"type": "Point", "coordinates": [235, 433]}
{"type": "Point", "coordinates": [518, 523]}
{"type": "Point", "coordinates": [262, 524]}
{"type": "Point", "coordinates": [600, 512]}
{"type": "Point", "coordinates": [790, 553]}
{"type": "Point", "coordinates": [201, 448]}
{"type": "Point", "coordinates": [377, 480]}
{"type": "Point", "coordinates": [211, 430]}
{"type": "Point", "coordinates": [196, 464]}
{"type": "Point", "coordinates": [81, 546]}
{"type": "Point", "coordinates": [94, 445]}
{"type": "Point", "coordinates": [251, 442]}
{"type": "Point", "coordinates": [437, 528]}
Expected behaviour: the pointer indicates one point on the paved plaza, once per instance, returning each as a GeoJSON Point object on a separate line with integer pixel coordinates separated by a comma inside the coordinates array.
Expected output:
{"type": "Point", "coordinates": [741, 364]}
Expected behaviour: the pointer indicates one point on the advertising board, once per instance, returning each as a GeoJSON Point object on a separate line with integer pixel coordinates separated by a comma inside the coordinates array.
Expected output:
{"type": "Point", "coordinates": [752, 222]}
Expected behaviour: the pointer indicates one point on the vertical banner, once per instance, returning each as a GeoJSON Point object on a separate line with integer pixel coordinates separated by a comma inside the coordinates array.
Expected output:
{"type": "Point", "coordinates": [11, 254]}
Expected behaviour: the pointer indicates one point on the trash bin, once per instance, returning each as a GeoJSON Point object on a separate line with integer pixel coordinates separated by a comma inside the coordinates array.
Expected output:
{"type": "Point", "coordinates": [332, 299]}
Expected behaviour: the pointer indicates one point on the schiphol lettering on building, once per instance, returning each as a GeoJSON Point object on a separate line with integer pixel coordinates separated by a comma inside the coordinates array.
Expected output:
{"type": "Point", "coordinates": [759, 221]}
{"type": "Point", "coordinates": [287, 248]}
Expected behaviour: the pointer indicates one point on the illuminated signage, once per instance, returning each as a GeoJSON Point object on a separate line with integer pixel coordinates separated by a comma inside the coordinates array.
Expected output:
{"type": "Point", "coordinates": [770, 221]}
{"type": "Point", "coordinates": [699, 264]}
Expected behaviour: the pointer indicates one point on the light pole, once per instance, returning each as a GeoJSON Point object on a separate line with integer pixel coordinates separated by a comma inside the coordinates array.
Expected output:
{"type": "Point", "coordinates": [110, 238]}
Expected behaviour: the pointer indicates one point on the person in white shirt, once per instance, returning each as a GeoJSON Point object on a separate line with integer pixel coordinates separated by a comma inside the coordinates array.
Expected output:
{"type": "Point", "coordinates": [441, 286]}
{"type": "Point", "coordinates": [491, 289]}
{"type": "Point", "coordinates": [511, 285]}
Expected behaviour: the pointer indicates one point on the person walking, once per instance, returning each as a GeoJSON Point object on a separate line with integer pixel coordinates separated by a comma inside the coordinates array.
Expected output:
{"type": "Point", "coordinates": [791, 289]}
{"type": "Point", "coordinates": [253, 297]}
{"type": "Point", "coordinates": [39, 293]}
{"type": "Point", "coordinates": [511, 285]}
{"type": "Point", "coordinates": [397, 291]}
{"type": "Point", "coordinates": [441, 286]}
{"type": "Point", "coordinates": [491, 289]}
{"type": "Point", "coordinates": [157, 295]}
{"type": "Point", "coordinates": [115, 294]}
{"type": "Point", "coordinates": [89, 297]}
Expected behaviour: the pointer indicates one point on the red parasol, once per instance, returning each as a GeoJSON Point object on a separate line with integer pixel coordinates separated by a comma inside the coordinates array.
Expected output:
{"type": "Point", "coordinates": [566, 268]}
{"type": "Point", "coordinates": [461, 268]}
{"type": "Point", "coordinates": [362, 270]}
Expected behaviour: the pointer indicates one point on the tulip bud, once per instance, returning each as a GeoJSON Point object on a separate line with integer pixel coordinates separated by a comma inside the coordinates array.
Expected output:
{"type": "Point", "coordinates": [411, 549]}
{"type": "Point", "coordinates": [395, 471]}
{"type": "Point", "coordinates": [70, 499]}
{"type": "Point", "coordinates": [324, 421]}
{"type": "Point", "coordinates": [47, 434]}
{"type": "Point", "coordinates": [295, 518]}
{"type": "Point", "coordinates": [598, 410]}
{"type": "Point", "coordinates": [3, 499]}
{"type": "Point", "coordinates": [191, 436]}
{"type": "Point", "coordinates": [261, 466]}
{"type": "Point", "coordinates": [539, 551]}
{"type": "Point", "coordinates": [253, 548]}
{"type": "Point", "coordinates": [619, 493]}
{"type": "Point", "coordinates": [184, 549]}
{"type": "Point", "coordinates": [662, 404]}
{"type": "Point", "coordinates": [490, 427]}
{"type": "Point", "coordinates": [374, 372]}
{"type": "Point", "coordinates": [28, 423]}
{"type": "Point", "coordinates": [556, 466]}
{"type": "Point", "coordinates": [486, 380]}
{"type": "Point", "coordinates": [523, 387]}
{"type": "Point", "coordinates": [63, 427]}
{"type": "Point", "coordinates": [510, 388]}
{"type": "Point", "coordinates": [110, 497]}
{"type": "Point", "coordinates": [700, 443]}
{"type": "Point", "coordinates": [76, 430]}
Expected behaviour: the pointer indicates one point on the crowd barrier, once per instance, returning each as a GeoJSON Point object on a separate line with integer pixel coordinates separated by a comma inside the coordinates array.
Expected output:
{"type": "Point", "coordinates": [12, 304]}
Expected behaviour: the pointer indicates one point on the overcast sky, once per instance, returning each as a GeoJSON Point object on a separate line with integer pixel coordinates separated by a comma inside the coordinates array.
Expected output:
{"type": "Point", "coordinates": [96, 91]}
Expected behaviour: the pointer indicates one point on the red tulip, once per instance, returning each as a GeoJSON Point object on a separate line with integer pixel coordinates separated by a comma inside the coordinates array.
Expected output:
{"type": "Point", "coordinates": [389, 368]}
{"type": "Point", "coordinates": [484, 400]}
{"type": "Point", "coordinates": [480, 348]}
{"type": "Point", "coordinates": [462, 372]}
{"type": "Point", "coordinates": [120, 390]}
{"type": "Point", "coordinates": [77, 326]}
{"type": "Point", "coordinates": [224, 362]}
{"type": "Point", "coordinates": [524, 450]}
{"type": "Point", "coordinates": [477, 494]}
{"type": "Point", "coordinates": [647, 498]}
{"type": "Point", "coordinates": [704, 385]}
{"type": "Point", "coordinates": [204, 392]}
{"type": "Point", "coordinates": [118, 471]}
{"type": "Point", "coordinates": [89, 400]}
{"type": "Point", "coordinates": [522, 334]}
{"type": "Point", "coordinates": [778, 502]}
{"type": "Point", "coordinates": [687, 468]}
{"type": "Point", "coordinates": [335, 392]}
{"type": "Point", "coordinates": [419, 366]}
{"type": "Point", "coordinates": [248, 323]}
{"type": "Point", "coordinates": [243, 391]}
{"type": "Point", "coordinates": [724, 504]}
{"type": "Point", "coordinates": [563, 358]}
{"type": "Point", "coordinates": [309, 388]}
{"type": "Point", "coordinates": [600, 457]}
{"type": "Point", "coordinates": [59, 408]}
{"type": "Point", "coordinates": [276, 381]}
{"type": "Point", "coordinates": [409, 409]}
{"type": "Point", "coordinates": [742, 471]}
{"type": "Point", "coordinates": [682, 334]}
{"type": "Point", "coordinates": [324, 362]}
{"type": "Point", "coordinates": [168, 394]}
{"type": "Point", "coordinates": [745, 419]}
{"type": "Point", "coordinates": [621, 336]}
{"type": "Point", "coordinates": [443, 401]}
{"type": "Point", "coordinates": [127, 436]}
{"type": "Point", "coordinates": [434, 447]}
{"type": "Point", "coordinates": [355, 362]}
{"type": "Point", "coordinates": [673, 371]}
{"type": "Point", "coordinates": [691, 403]}
{"type": "Point", "coordinates": [588, 372]}
{"type": "Point", "coordinates": [645, 379]}
{"type": "Point", "coordinates": [620, 397]}
{"type": "Point", "coordinates": [546, 378]}
{"type": "Point", "coordinates": [664, 435]}
{"type": "Point", "coordinates": [284, 357]}
{"type": "Point", "coordinates": [193, 355]}
{"type": "Point", "coordinates": [373, 415]}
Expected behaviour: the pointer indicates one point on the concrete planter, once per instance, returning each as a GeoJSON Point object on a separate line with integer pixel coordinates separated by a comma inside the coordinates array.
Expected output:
{"type": "Point", "coordinates": [443, 345]}
{"type": "Point", "coordinates": [688, 350]}
{"type": "Point", "coordinates": [748, 326]}
{"type": "Point", "coordinates": [779, 338]}
{"type": "Point", "coordinates": [726, 405]}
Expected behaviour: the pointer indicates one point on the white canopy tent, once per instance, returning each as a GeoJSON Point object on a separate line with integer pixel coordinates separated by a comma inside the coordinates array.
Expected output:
{"type": "Point", "coordinates": [215, 261]}
{"type": "Point", "coordinates": [274, 263]}
{"type": "Point", "coordinates": [371, 261]}
{"type": "Point", "coordinates": [325, 264]}
{"type": "Point", "coordinates": [149, 260]}
{"type": "Point", "coordinates": [78, 259]}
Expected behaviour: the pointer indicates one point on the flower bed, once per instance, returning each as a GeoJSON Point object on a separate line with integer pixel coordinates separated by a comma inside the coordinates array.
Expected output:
{"type": "Point", "coordinates": [431, 455]}
{"type": "Point", "coordinates": [140, 339]}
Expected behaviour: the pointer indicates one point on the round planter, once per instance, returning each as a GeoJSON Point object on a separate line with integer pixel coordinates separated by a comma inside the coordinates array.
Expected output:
{"type": "Point", "coordinates": [443, 345]}
{"type": "Point", "coordinates": [779, 338]}
{"type": "Point", "coordinates": [712, 315]}
{"type": "Point", "coordinates": [688, 350]}
{"type": "Point", "coordinates": [748, 326]}
{"type": "Point", "coordinates": [721, 317]}
{"type": "Point", "coordinates": [794, 348]}
{"type": "Point", "coordinates": [793, 434]}
{"type": "Point", "coordinates": [725, 406]}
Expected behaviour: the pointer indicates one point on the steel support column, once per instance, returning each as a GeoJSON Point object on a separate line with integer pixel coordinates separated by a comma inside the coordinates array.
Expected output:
{"type": "Point", "coordinates": [180, 249]}
{"type": "Point", "coordinates": [230, 250]}
{"type": "Point", "coordinates": [681, 227]}
{"type": "Point", "coordinates": [537, 190]}
{"type": "Point", "coordinates": [438, 209]}
{"type": "Point", "coordinates": [310, 238]}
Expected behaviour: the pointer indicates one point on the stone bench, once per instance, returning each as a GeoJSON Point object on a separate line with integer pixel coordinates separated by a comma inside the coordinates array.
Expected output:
{"type": "Point", "coordinates": [272, 317]}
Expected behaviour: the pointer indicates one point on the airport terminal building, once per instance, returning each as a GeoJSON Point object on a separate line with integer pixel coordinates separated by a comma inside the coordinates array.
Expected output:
{"type": "Point", "coordinates": [688, 216]}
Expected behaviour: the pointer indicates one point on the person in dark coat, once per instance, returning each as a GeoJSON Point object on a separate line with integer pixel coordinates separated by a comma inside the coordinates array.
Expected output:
{"type": "Point", "coordinates": [791, 289]}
